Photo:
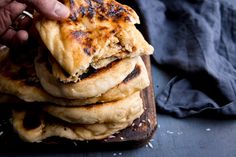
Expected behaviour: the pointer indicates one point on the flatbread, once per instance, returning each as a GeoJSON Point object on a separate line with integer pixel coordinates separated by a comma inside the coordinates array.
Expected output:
{"type": "Point", "coordinates": [112, 112]}
{"type": "Point", "coordinates": [96, 29]}
{"type": "Point", "coordinates": [94, 85]}
{"type": "Point", "coordinates": [15, 87]}
{"type": "Point", "coordinates": [137, 80]}
{"type": "Point", "coordinates": [36, 126]}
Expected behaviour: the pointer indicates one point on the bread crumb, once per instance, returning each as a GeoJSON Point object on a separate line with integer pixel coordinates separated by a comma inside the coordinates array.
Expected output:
{"type": "Point", "coordinates": [122, 138]}
{"type": "Point", "coordinates": [140, 124]}
{"type": "Point", "coordinates": [179, 132]}
{"type": "Point", "coordinates": [208, 129]}
{"type": "Point", "coordinates": [115, 154]}
{"type": "Point", "coordinates": [111, 136]}
{"type": "Point", "coordinates": [169, 132]}
{"type": "Point", "coordinates": [150, 145]}
{"type": "Point", "coordinates": [75, 143]}
{"type": "Point", "coordinates": [133, 124]}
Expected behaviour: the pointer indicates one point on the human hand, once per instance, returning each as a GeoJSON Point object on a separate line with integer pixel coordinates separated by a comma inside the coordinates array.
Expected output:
{"type": "Point", "coordinates": [10, 10]}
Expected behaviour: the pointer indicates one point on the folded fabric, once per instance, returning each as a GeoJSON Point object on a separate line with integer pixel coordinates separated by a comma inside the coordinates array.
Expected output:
{"type": "Point", "coordinates": [196, 39]}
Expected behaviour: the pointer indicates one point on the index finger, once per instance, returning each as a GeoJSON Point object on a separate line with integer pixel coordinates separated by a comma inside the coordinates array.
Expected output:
{"type": "Point", "coordinates": [52, 9]}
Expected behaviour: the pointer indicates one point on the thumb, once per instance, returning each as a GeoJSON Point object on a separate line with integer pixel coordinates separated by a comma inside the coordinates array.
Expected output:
{"type": "Point", "coordinates": [51, 9]}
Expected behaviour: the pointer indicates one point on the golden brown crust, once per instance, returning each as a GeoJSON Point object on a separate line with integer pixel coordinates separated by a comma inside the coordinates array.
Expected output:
{"type": "Point", "coordinates": [102, 11]}
{"type": "Point", "coordinates": [111, 112]}
{"type": "Point", "coordinates": [21, 81]}
{"type": "Point", "coordinates": [35, 126]}
{"type": "Point", "coordinates": [84, 37]}
{"type": "Point", "coordinates": [93, 85]}
{"type": "Point", "coordinates": [99, 35]}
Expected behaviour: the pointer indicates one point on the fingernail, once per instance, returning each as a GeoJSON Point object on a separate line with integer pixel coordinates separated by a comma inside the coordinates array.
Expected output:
{"type": "Point", "coordinates": [61, 10]}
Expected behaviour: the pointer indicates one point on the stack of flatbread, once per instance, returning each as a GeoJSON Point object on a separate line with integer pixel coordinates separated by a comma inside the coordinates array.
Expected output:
{"type": "Point", "coordinates": [84, 81]}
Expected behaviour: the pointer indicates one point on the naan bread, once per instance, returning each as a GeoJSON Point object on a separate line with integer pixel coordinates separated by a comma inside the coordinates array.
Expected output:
{"type": "Point", "coordinates": [136, 81]}
{"type": "Point", "coordinates": [27, 87]}
{"type": "Point", "coordinates": [96, 29]}
{"type": "Point", "coordinates": [36, 126]}
{"type": "Point", "coordinates": [112, 112]}
{"type": "Point", "coordinates": [64, 77]}
{"type": "Point", "coordinates": [94, 85]}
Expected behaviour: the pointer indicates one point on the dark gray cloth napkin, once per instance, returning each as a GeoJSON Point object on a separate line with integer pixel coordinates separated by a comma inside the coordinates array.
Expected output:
{"type": "Point", "coordinates": [195, 39]}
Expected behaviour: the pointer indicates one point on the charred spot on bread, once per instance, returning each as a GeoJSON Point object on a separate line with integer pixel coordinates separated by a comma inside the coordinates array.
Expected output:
{"type": "Point", "coordinates": [115, 11]}
{"type": "Point", "coordinates": [82, 11]}
{"type": "Point", "coordinates": [87, 51]}
{"type": "Point", "coordinates": [72, 3]}
{"type": "Point", "coordinates": [135, 73]}
{"type": "Point", "coordinates": [91, 10]}
{"type": "Point", "coordinates": [78, 34]}
{"type": "Point", "coordinates": [99, 1]}
{"type": "Point", "coordinates": [97, 8]}
{"type": "Point", "coordinates": [102, 18]}
{"type": "Point", "coordinates": [92, 72]}
{"type": "Point", "coordinates": [106, 68]}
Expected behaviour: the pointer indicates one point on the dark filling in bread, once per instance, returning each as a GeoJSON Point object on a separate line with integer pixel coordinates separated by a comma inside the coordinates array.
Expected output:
{"type": "Point", "coordinates": [91, 72]}
{"type": "Point", "coordinates": [135, 73]}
